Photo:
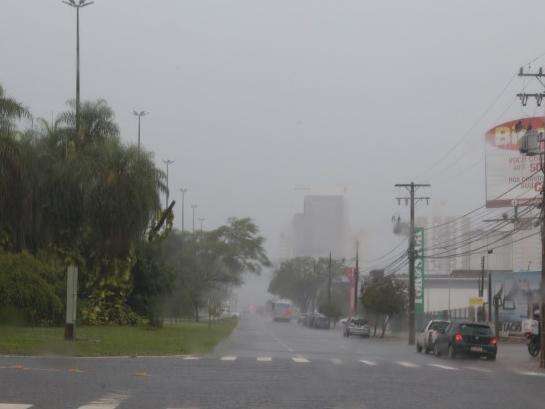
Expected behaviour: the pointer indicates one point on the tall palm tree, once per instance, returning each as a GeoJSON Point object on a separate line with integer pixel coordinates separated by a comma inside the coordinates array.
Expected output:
{"type": "Point", "coordinates": [10, 111]}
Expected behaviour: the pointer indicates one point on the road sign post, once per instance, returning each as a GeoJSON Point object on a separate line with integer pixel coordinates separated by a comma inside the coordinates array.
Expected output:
{"type": "Point", "coordinates": [71, 302]}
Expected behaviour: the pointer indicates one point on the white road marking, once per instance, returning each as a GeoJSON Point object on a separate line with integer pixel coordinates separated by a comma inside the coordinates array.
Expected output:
{"type": "Point", "coordinates": [300, 360]}
{"type": "Point", "coordinates": [478, 369]}
{"type": "Point", "coordinates": [531, 373]}
{"type": "Point", "coordinates": [14, 406]}
{"type": "Point", "coordinates": [368, 363]}
{"type": "Point", "coordinates": [191, 358]}
{"type": "Point", "coordinates": [336, 361]}
{"type": "Point", "coordinates": [282, 343]}
{"type": "Point", "coordinates": [228, 358]}
{"type": "Point", "coordinates": [264, 359]}
{"type": "Point", "coordinates": [111, 401]}
{"type": "Point", "coordinates": [449, 368]}
{"type": "Point", "coordinates": [407, 364]}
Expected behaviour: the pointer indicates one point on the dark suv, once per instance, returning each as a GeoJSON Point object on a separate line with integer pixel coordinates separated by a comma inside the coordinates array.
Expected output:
{"type": "Point", "coordinates": [466, 337]}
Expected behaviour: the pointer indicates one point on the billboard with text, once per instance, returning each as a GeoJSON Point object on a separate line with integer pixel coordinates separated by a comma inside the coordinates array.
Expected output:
{"type": "Point", "coordinates": [511, 177]}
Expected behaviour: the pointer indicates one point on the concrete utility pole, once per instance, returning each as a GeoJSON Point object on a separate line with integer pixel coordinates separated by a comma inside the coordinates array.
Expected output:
{"type": "Point", "coordinates": [539, 99]}
{"type": "Point", "coordinates": [193, 207]}
{"type": "Point", "coordinates": [167, 162]}
{"type": "Point", "coordinates": [183, 190]}
{"type": "Point", "coordinates": [411, 187]}
{"type": "Point", "coordinates": [201, 220]}
{"type": "Point", "coordinates": [139, 114]}
{"type": "Point", "coordinates": [329, 281]}
{"type": "Point", "coordinates": [356, 278]}
{"type": "Point", "coordinates": [77, 5]}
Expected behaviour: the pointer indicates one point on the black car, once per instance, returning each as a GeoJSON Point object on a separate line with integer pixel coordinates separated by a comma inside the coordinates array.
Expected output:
{"type": "Point", "coordinates": [466, 337]}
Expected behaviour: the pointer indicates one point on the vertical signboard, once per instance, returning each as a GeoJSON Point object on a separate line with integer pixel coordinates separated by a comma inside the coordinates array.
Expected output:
{"type": "Point", "coordinates": [419, 270]}
{"type": "Point", "coordinates": [351, 277]}
{"type": "Point", "coordinates": [71, 301]}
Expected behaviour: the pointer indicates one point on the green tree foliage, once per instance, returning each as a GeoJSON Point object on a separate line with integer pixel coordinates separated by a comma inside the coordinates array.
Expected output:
{"type": "Point", "coordinates": [29, 290]}
{"type": "Point", "coordinates": [301, 279]}
{"type": "Point", "coordinates": [11, 110]}
{"type": "Point", "coordinates": [384, 297]}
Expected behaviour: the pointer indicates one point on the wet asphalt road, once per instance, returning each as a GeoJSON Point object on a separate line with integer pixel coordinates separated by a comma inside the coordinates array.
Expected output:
{"type": "Point", "coordinates": [277, 365]}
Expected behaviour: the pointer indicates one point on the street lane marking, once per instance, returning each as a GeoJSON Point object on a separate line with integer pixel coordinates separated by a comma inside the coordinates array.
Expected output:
{"type": "Point", "coordinates": [407, 364]}
{"type": "Point", "coordinates": [110, 401]}
{"type": "Point", "coordinates": [191, 358]}
{"type": "Point", "coordinates": [264, 359]}
{"type": "Point", "coordinates": [300, 360]}
{"type": "Point", "coordinates": [336, 361]}
{"type": "Point", "coordinates": [14, 406]}
{"type": "Point", "coordinates": [531, 373]}
{"type": "Point", "coordinates": [476, 368]}
{"type": "Point", "coordinates": [368, 363]}
{"type": "Point", "coordinates": [228, 358]}
{"type": "Point", "coordinates": [449, 368]}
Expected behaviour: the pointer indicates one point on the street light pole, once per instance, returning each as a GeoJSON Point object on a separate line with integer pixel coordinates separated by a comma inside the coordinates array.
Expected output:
{"type": "Point", "coordinates": [139, 114]}
{"type": "Point", "coordinates": [167, 162]}
{"type": "Point", "coordinates": [183, 190]}
{"type": "Point", "coordinates": [77, 5]}
{"type": "Point", "coordinates": [201, 220]}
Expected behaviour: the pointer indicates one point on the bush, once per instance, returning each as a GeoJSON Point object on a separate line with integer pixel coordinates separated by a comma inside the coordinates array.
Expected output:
{"type": "Point", "coordinates": [29, 291]}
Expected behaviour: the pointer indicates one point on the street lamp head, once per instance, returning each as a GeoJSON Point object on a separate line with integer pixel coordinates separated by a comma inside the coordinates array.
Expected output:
{"type": "Point", "coordinates": [139, 114]}
{"type": "Point", "coordinates": [183, 189]}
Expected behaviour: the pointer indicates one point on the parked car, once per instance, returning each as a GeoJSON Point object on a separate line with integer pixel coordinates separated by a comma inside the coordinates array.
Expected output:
{"type": "Point", "coordinates": [320, 321]}
{"type": "Point", "coordinates": [426, 338]}
{"type": "Point", "coordinates": [356, 326]}
{"type": "Point", "coordinates": [466, 337]}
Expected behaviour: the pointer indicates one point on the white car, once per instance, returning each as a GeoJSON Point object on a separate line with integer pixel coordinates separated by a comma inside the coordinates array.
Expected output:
{"type": "Point", "coordinates": [425, 339]}
{"type": "Point", "coordinates": [357, 326]}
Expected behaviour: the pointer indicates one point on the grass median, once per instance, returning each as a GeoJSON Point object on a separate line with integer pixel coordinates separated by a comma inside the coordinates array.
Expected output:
{"type": "Point", "coordinates": [172, 339]}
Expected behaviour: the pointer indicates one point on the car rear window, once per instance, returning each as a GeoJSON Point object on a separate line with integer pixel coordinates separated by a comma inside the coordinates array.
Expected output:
{"type": "Point", "coordinates": [439, 325]}
{"type": "Point", "coordinates": [473, 329]}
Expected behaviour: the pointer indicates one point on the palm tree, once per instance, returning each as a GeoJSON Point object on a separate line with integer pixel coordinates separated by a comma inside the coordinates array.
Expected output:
{"type": "Point", "coordinates": [10, 111]}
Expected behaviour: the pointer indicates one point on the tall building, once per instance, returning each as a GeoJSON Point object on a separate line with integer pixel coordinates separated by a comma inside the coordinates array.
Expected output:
{"type": "Point", "coordinates": [321, 227]}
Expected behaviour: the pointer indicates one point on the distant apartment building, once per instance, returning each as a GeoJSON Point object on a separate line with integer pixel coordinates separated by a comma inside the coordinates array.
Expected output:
{"type": "Point", "coordinates": [321, 227]}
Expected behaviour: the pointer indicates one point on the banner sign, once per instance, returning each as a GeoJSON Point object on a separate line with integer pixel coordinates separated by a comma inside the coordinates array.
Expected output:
{"type": "Point", "coordinates": [419, 270]}
{"type": "Point", "coordinates": [512, 177]}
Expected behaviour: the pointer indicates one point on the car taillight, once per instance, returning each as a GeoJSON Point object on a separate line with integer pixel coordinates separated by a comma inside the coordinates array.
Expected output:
{"type": "Point", "coordinates": [458, 338]}
{"type": "Point", "coordinates": [493, 341]}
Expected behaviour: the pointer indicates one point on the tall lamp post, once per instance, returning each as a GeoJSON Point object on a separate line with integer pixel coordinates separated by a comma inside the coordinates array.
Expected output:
{"type": "Point", "coordinates": [72, 270]}
{"type": "Point", "coordinates": [139, 114]}
{"type": "Point", "coordinates": [167, 162]}
{"type": "Point", "coordinates": [183, 190]}
{"type": "Point", "coordinates": [77, 5]}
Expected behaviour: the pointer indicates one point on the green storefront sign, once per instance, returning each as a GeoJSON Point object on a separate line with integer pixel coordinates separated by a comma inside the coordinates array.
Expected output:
{"type": "Point", "coordinates": [419, 270]}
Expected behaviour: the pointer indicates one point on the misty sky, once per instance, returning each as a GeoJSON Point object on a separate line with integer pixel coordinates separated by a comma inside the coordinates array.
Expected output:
{"type": "Point", "coordinates": [251, 98]}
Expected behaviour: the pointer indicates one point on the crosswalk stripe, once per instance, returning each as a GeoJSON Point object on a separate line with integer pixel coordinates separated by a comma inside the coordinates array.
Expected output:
{"type": "Point", "coordinates": [228, 358]}
{"type": "Point", "coordinates": [111, 401]}
{"type": "Point", "coordinates": [264, 359]}
{"type": "Point", "coordinates": [407, 364]}
{"type": "Point", "coordinates": [368, 363]}
{"type": "Point", "coordinates": [336, 361]}
{"type": "Point", "coordinates": [476, 368]}
{"type": "Point", "coordinates": [450, 368]}
{"type": "Point", "coordinates": [300, 360]}
{"type": "Point", "coordinates": [530, 373]}
{"type": "Point", "coordinates": [14, 406]}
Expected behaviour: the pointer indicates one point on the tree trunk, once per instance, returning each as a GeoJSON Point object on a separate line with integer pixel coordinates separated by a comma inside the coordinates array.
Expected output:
{"type": "Point", "coordinates": [384, 323]}
{"type": "Point", "coordinates": [196, 308]}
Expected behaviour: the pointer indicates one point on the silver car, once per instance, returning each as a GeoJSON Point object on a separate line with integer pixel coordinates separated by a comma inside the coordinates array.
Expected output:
{"type": "Point", "coordinates": [357, 326]}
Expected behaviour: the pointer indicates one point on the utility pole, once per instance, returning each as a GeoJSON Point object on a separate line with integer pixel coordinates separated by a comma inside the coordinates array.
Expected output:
{"type": "Point", "coordinates": [139, 114]}
{"type": "Point", "coordinates": [201, 220]}
{"type": "Point", "coordinates": [167, 162]}
{"type": "Point", "coordinates": [411, 187]}
{"type": "Point", "coordinates": [356, 279]}
{"type": "Point", "coordinates": [329, 281]}
{"type": "Point", "coordinates": [539, 98]}
{"type": "Point", "coordinates": [77, 5]}
{"type": "Point", "coordinates": [481, 290]}
{"type": "Point", "coordinates": [193, 207]}
{"type": "Point", "coordinates": [183, 190]}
